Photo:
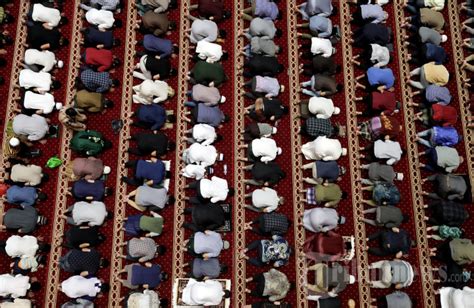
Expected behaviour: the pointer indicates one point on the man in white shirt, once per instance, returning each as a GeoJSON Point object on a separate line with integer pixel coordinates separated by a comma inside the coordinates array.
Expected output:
{"type": "Point", "coordinates": [379, 56]}
{"type": "Point", "coordinates": [93, 213]}
{"type": "Point", "coordinates": [193, 171]}
{"type": "Point", "coordinates": [323, 148]}
{"type": "Point", "coordinates": [322, 219]}
{"type": "Point", "coordinates": [264, 200]}
{"type": "Point", "coordinates": [78, 286]}
{"type": "Point", "coordinates": [385, 149]}
{"type": "Point", "coordinates": [209, 52]}
{"type": "Point", "coordinates": [204, 155]}
{"type": "Point", "coordinates": [34, 127]}
{"type": "Point", "coordinates": [39, 81]}
{"type": "Point", "coordinates": [16, 286]}
{"type": "Point", "coordinates": [45, 58]}
{"type": "Point", "coordinates": [40, 103]}
{"type": "Point", "coordinates": [263, 149]}
{"type": "Point", "coordinates": [204, 293]}
{"type": "Point", "coordinates": [204, 134]}
{"type": "Point", "coordinates": [321, 107]}
{"type": "Point", "coordinates": [152, 91]}
{"type": "Point", "coordinates": [216, 189]}
{"type": "Point", "coordinates": [103, 19]}
{"type": "Point", "coordinates": [49, 17]}
{"type": "Point", "coordinates": [202, 29]}
{"type": "Point", "coordinates": [21, 246]}
{"type": "Point", "coordinates": [322, 46]}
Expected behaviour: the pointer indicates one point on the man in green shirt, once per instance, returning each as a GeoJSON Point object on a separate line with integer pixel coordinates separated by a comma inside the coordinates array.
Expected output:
{"type": "Point", "coordinates": [327, 194]}
{"type": "Point", "coordinates": [208, 74]}
{"type": "Point", "coordinates": [89, 142]}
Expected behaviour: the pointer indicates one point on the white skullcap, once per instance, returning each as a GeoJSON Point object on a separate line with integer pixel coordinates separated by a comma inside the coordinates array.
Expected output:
{"type": "Point", "coordinates": [60, 64]}
{"type": "Point", "coordinates": [444, 38]}
{"type": "Point", "coordinates": [344, 152]}
{"type": "Point", "coordinates": [107, 169]}
{"type": "Point", "coordinates": [14, 142]}
{"type": "Point", "coordinates": [337, 110]}
{"type": "Point", "coordinates": [59, 106]}
{"type": "Point", "coordinates": [274, 130]}
{"type": "Point", "coordinates": [279, 151]}
{"type": "Point", "coordinates": [352, 279]}
{"type": "Point", "coordinates": [223, 99]}
{"type": "Point", "coordinates": [400, 176]}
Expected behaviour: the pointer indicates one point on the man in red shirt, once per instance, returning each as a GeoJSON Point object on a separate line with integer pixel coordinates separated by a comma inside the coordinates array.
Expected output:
{"type": "Point", "coordinates": [101, 59]}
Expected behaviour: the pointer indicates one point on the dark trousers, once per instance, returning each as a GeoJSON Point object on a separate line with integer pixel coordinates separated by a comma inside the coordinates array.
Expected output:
{"type": "Point", "coordinates": [259, 279]}
{"type": "Point", "coordinates": [258, 260]}
{"type": "Point", "coordinates": [377, 251]}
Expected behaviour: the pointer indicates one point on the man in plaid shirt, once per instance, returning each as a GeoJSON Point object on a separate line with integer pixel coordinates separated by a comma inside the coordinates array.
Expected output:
{"type": "Point", "coordinates": [98, 82]}
{"type": "Point", "coordinates": [315, 127]}
{"type": "Point", "coordinates": [448, 213]}
{"type": "Point", "coordinates": [269, 224]}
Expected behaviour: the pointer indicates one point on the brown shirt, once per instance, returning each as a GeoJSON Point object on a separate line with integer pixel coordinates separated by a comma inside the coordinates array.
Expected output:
{"type": "Point", "coordinates": [89, 101]}
{"type": "Point", "coordinates": [432, 19]}
{"type": "Point", "coordinates": [326, 84]}
{"type": "Point", "coordinates": [156, 23]}
{"type": "Point", "coordinates": [89, 168]}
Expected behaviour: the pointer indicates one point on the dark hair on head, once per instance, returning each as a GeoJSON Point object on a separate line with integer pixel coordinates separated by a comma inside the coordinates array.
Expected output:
{"type": "Point", "coordinates": [334, 10]}
{"type": "Point", "coordinates": [8, 40]}
{"type": "Point", "coordinates": [168, 174]}
{"type": "Point", "coordinates": [218, 138]}
{"type": "Point", "coordinates": [107, 144]}
{"type": "Point", "coordinates": [35, 286]}
{"type": "Point", "coordinates": [344, 195]}
{"type": "Point", "coordinates": [226, 119]}
{"type": "Point", "coordinates": [8, 18]}
{"type": "Point", "coordinates": [231, 191]}
{"type": "Point", "coordinates": [226, 14]}
{"type": "Point", "coordinates": [279, 16]}
{"type": "Point", "coordinates": [338, 68]}
{"type": "Point", "coordinates": [101, 237]}
{"type": "Point", "coordinates": [104, 287]}
{"type": "Point", "coordinates": [164, 303]}
{"type": "Point", "coordinates": [172, 25]}
{"type": "Point", "coordinates": [56, 84]}
{"type": "Point", "coordinates": [171, 118]}
{"type": "Point", "coordinates": [52, 130]}
{"type": "Point", "coordinates": [116, 42]}
{"type": "Point", "coordinates": [225, 56]}
{"type": "Point", "coordinates": [279, 50]}
{"type": "Point", "coordinates": [3, 62]}
{"type": "Point", "coordinates": [63, 41]}
{"type": "Point", "coordinates": [224, 268]}
{"type": "Point", "coordinates": [171, 146]}
{"type": "Point", "coordinates": [115, 82]}
{"type": "Point", "coordinates": [44, 247]}
{"type": "Point", "coordinates": [280, 68]}
{"type": "Point", "coordinates": [41, 259]}
{"type": "Point", "coordinates": [110, 214]}
{"type": "Point", "coordinates": [175, 49]}
{"type": "Point", "coordinates": [222, 33]}
{"type": "Point", "coordinates": [45, 177]}
{"type": "Point", "coordinates": [278, 33]}
{"type": "Point", "coordinates": [71, 112]}
{"type": "Point", "coordinates": [171, 200]}
{"type": "Point", "coordinates": [406, 218]}
{"type": "Point", "coordinates": [108, 103]}
{"type": "Point", "coordinates": [292, 285]}
{"type": "Point", "coordinates": [116, 62]}
{"type": "Point", "coordinates": [63, 21]}
{"type": "Point", "coordinates": [164, 276]}
{"type": "Point", "coordinates": [285, 109]}
{"type": "Point", "coordinates": [227, 294]}
{"type": "Point", "coordinates": [173, 4]}
{"type": "Point", "coordinates": [108, 191]}
{"type": "Point", "coordinates": [118, 23]}
{"type": "Point", "coordinates": [2, 80]}
{"type": "Point", "coordinates": [173, 72]}
{"type": "Point", "coordinates": [339, 87]}
{"type": "Point", "coordinates": [413, 244]}
{"type": "Point", "coordinates": [160, 250]}
{"type": "Point", "coordinates": [103, 263]}
{"type": "Point", "coordinates": [41, 196]}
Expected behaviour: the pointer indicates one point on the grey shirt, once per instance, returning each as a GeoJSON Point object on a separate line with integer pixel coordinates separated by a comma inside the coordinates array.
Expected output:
{"type": "Point", "coordinates": [321, 25]}
{"type": "Point", "coordinates": [149, 196]}
{"type": "Point", "coordinates": [388, 216]}
{"type": "Point", "coordinates": [262, 46]}
{"type": "Point", "coordinates": [398, 299]}
{"type": "Point", "coordinates": [141, 248]}
{"type": "Point", "coordinates": [24, 219]}
{"type": "Point", "coordinates": [203, 30]}
{"type": "Point", "coordinates": [265, 129]}
{"type": "Point", "coordinates": [262, 27]}
{"type": "Point", "coordinates": [35, 127]}
{"type": "Point", "coordinates": [448, 158]}
{"type": "Point", "coordinates": [381, 172]}
{"type": "Point", "coordinates": [449, 186]}
{"type": "Point", "coordinates": [428, 35]}
{"type": "Point", "coordinates": [206, 268]}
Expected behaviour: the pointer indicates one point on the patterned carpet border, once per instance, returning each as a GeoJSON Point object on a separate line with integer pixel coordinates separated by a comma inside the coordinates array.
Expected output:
{"type": "Point", "coordinates": [412, 155]}
{"type": "Point", "coordinates": [353, 154]}
{"type": "Point", "coordinates": [65, 155]}
{"type": "Point", "coordinates": [180, 181]}
{"type": "Point", "coordinates": [239, 295]}
{"type": "Point", "coordinates": [297, 174]}
{"type": "Point", "coordinates": [122, 158]}
{"type": "Point", "coordinates": [20, 40]}
{"type": "Point", "coordinates": [461, 75]}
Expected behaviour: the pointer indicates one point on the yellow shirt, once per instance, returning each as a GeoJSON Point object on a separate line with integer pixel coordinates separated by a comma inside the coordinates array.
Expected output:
{"type": "Point", "coordinates": [436, 73]}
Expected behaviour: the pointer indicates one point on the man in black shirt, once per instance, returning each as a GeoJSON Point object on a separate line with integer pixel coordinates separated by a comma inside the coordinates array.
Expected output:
{"type": "Point", "coordinates": [321, 65]}
{"type": "Point", "coordinates": [154, 144]}
{"type": "Point", "coordinates": [208, 216]}
{"type": "Point", "coordinates": [84, 262]}
{"type": "Point", "coordinates": [45, 39]}
{"type": "Point", "coordinates": [264, 174]}
{"type": "Point", "coordinates": [263, 66]}
{"type": "Point", "coordinates": [372, 34]}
